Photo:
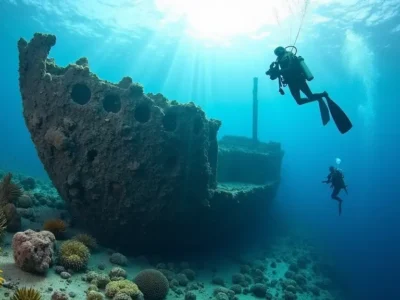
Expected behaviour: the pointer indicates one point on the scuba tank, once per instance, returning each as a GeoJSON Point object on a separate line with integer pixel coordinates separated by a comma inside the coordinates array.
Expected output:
{"type": "Point", "coordinates": [306, 71]}
{"type": "Point", "coordinates": [303, 67]}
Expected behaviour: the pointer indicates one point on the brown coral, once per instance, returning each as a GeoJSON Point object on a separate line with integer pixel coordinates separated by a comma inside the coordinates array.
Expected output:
{"type": "Point", "coordinates": [9, 191]}
{"type": "Point", "coordinates": [55, 226]}
{"type": "Point", "coordinates": [153, 284]}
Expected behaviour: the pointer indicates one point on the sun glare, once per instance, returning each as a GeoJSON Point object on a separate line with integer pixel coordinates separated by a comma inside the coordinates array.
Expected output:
{"type": "Point", "coordinates": [219, 19]}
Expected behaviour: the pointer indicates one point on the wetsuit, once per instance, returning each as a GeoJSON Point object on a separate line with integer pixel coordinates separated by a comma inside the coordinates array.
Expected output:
{"type": "Point", "coordinates": [292, 74]}
{"type": "Point", "coordinates": [336, 179]}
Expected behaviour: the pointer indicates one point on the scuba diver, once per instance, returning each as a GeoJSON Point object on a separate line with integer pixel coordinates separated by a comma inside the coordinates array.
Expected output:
{"type": "Point", "coordinates": [336, 179]}
{"type": "Point", "coordinates": [292, 71]}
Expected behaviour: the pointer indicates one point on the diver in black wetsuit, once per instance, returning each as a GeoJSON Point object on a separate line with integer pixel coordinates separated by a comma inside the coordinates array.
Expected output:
{"type": "Point", "coordinates": [292, 71]}
{"type": "Point", "coordinates": [336, 179]}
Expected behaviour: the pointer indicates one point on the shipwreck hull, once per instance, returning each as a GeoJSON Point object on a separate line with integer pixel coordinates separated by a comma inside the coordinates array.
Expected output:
{"type": "Point", "coordinates": [136, 170]}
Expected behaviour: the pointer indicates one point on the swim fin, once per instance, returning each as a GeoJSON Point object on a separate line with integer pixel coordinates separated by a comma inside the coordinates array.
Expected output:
{"type": "Point", "coordinates": [324, 112]}
{"type": "Point", "coordinates": [342, 122]}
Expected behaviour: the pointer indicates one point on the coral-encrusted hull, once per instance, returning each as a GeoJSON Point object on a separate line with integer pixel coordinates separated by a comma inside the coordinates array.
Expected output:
{"type": "Point", "coordinates": [134, 169]}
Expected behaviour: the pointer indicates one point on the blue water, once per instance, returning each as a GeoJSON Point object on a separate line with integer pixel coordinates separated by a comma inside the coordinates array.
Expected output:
{"type": "Point", "coordinates": [353, 53]}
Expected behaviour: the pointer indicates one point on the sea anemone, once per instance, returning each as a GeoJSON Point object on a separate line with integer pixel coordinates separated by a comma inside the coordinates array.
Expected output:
{"type": "Point", "coordinates": [87, 240]}
{"type": "Point", "coordinates": [9, 192]}
{"type": "Point", "coordinates": [74, 255]}
{"type": "Point", "coordinates": [55, 226]}
{"type": "Point", "coordinates": [26, 294]}
{"type": "Point", "coordinates": [153, 284]}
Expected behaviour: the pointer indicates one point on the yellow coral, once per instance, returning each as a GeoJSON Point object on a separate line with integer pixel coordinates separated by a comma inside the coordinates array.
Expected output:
{"type": "Point", "coordinates": [26, 294]}
{"type": "Point", "coordinates": [93, 295]}
{"type": "Point", "coordinates": [87, 240]}
{"type": "Point", "coordinates": [122, 286]}
{"type": "Point", "coordinates": [1, 278]}
{"type": "Point", "coordinates": [74, 255]}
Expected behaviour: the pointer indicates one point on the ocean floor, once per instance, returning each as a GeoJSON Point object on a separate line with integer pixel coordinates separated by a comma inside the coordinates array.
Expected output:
{"type": "Point", "coordinates": [288, 268]}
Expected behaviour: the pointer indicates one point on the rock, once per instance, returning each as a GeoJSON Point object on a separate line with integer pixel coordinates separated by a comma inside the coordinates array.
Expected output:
{"type": "Point", "coordinates": [33, 251]}
{"type": "Point", "coordinates": [65, 275]}
{"type": "Point", "coordinates": [162, 181]}
{"type": "Point", "coordinates": [59, 296]}
{"type": "Point", "coordinates": [25, 201]}
{"type": "Point", "coordinates": [59, 269]}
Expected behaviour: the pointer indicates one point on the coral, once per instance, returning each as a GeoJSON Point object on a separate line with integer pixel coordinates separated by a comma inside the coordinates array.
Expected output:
{"type": "Point", "coordinates": [57, 295]}
{"type": "Point", "coordinates": [88, 240]}
{"type": "Point", "coordinates": [1, 278]}
{"type": "Point", "coordinates": [239, 278]}
{"type": "Point", "coordinates": [93, 288]}
{"type": "Point", "coordinates": [56, 226]}
{"type": "Point", "coordinates": [289, 296]}
{"type": "Point", "coordinates": [91, 275]}
{"type": "Point", "coordinates": [245, 269]}
{"type": "Point", "coordinates": [26, 294]}
{"type": "Point", "coordinates": [152, 283]}
{"type": "Point", "coordinates": [93, 295]}
{"type": "Point", "coordinates": [258, 264]}
{"type": "Point", "coordinates": [221, 296]}
{"type": "Point", "coordinates": [118, 259]}
{"type": "Point", "coordinates": [259, 290]}
{"type": "Point", "coordinates": [33, 251]}
{"type": "Point", "coordinates": [222, 290]}
{"type": "Point", "coordinates": [28, 183]}
{"type": "Point", "coordinates": [25, 201]}
{"type": "Point", "coordinates": [9, 191]}
{"type": "Point", "coordinates": [190, 296]}
{"type": "Point", "coordinates": [237, 288]}
{"type": "Point", "coordinates": [190, 274]}
{"type": "Point", "coordinates": [12, 216]}
{"type": "Point", "coordinates": [182, 279]}
{"type": "Point", "coordinates": [74, 255]}
{"type": "Point", "coordinates": [122, 286]}
{"type": "Point", "coordinates": [168, 273]}
{"type": "Point", "coordinates": [300, 279]}
{"type": "Point", "coordinates": [101, 280]}
{"type": "Point", "coordinates": [117, 272]}
{"type": "Point", "coordinates": [3, 222]}
{"type": "Point", "coordinates": [122, 296]}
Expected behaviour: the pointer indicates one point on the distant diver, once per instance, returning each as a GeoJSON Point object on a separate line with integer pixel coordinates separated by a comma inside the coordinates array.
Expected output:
{"type": "Point", "coordinates": [336, 179]}
{"type": "Point", "coordinates": [294, 72]}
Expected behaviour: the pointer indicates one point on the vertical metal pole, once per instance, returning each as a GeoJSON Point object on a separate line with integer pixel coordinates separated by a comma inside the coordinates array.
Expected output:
{"type": "Point", "coordinates": [255, 109]}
